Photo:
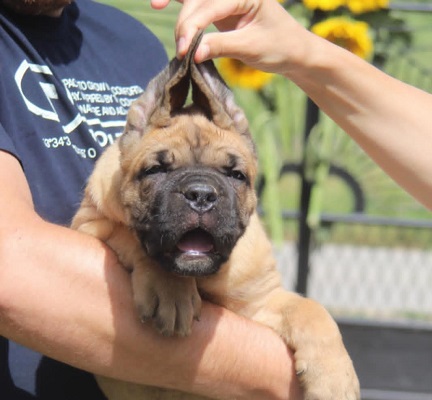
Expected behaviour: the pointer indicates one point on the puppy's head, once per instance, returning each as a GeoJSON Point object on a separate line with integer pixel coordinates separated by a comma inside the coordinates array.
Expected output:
{"type": "Point", "coordinates": [188, 187]}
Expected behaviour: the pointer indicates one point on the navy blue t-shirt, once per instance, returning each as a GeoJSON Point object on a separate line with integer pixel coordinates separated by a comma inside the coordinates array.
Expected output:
{"type": "Point", "coordinates": [65, 87]}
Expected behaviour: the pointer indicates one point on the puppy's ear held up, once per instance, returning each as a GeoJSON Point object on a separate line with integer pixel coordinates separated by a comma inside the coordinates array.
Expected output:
{"type": "Point", "coordinates": [166, 95]}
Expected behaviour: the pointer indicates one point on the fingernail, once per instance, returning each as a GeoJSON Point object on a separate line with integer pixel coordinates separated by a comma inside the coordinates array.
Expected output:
{"type": "Point", "coordinates": [180, 46]}
{"type": "Point", "coordinates": [203, 52]}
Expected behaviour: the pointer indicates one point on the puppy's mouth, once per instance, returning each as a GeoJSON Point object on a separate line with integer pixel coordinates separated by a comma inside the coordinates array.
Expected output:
{"type": "Point", "coordinates": [195, 254]}
{"type": "Point", "coordinates": [196, 242]}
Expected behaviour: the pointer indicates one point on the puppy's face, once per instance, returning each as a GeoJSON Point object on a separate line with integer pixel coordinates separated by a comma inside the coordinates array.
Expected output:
{"type": "Point", "coordinates": [188, 192]}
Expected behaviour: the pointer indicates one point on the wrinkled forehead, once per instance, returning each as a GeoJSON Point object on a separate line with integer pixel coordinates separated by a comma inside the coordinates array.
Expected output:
{"type": "Point", "coordinates": [196, 139]}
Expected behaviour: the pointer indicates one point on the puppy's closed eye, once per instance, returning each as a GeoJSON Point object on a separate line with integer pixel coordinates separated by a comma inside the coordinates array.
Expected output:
{"type": "Point", "coordinates": [236, 174]}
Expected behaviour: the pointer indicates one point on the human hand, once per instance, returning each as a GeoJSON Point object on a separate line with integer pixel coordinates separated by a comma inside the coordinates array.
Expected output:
{"type": "Point", "coordinates": [259, 33]}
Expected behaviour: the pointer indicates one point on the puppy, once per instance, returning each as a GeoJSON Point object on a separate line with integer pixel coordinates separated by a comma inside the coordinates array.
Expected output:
{"type": "Point", "coordinates": [174, 198]}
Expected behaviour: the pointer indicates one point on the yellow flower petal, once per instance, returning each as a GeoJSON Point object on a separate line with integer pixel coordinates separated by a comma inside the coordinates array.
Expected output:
{"type": "Point", "coordinates": [325, 5]}
{"type": "Point", "coordinates": [362, 6]}
{"type": "Point", "coordinates": [239, 74]}
{"type": "Point", "coordinates": [351, 35]}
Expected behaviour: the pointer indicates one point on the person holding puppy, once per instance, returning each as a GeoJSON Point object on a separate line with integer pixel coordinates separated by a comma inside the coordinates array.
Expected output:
{"type": "Point", "coordinates": [389, 119]}
{"type": "Point", "coordinates": [68, 73]}
{"type": "Point", "coordinates": [57, 291]}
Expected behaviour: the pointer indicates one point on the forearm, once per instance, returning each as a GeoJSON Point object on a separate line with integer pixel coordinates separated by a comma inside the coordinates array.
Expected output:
{"type": "Point", "coordinates": [389, 119]}
{"type": "Point", "coordinates": [63, 294]}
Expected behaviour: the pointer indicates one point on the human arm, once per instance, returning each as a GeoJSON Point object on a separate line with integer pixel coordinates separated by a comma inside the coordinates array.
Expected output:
{"type": "Point", "coordinates": [63, 294]}
{"type": "Point", "coordinates": [389, 119]}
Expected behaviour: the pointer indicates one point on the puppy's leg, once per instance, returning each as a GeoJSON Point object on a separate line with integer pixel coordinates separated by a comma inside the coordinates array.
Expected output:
{"type": "Point", "coordinates": [171, 302]}
{"type": "Point", "coordinates": [322, 363]}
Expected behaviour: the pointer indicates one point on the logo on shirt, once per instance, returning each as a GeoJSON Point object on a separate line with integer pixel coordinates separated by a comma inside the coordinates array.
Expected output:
{"type": "Point", "coordinates": [99, 105]}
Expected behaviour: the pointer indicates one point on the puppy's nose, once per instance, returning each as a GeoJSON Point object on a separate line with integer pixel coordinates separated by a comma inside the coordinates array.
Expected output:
{"type": "Point", "coordinates": [201, 197]}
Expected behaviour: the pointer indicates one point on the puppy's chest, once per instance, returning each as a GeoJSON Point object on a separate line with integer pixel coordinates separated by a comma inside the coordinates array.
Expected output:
{"type": "Point", "coordinates": [236, 298]}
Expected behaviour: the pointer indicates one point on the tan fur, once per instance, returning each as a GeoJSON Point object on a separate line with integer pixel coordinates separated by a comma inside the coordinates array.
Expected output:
{"type": "Point", "coordinates": [248, 283]}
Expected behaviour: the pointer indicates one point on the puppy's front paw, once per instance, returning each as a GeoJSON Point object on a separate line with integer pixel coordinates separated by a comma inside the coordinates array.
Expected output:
{"type": "Point", "coordinates": [323, 366]}
{"type": "Point", "coordinates": [327, 373]}
{"type": "Point", "coordinates": [171, 302]}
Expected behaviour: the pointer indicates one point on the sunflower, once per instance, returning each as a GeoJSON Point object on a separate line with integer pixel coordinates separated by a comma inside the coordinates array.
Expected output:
{"type": "Point", "coordinates": [351, 35]}
{"type": "Point", "coordinates": [362, 6]}
{"type": "Point", "coordinates": [325, 5]}
{"type": "Point", "coordinates": [239, 74]}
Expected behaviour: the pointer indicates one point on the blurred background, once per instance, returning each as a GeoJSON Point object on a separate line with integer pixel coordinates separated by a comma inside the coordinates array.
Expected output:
{"type": "Point", "coordinates": [344, 233]}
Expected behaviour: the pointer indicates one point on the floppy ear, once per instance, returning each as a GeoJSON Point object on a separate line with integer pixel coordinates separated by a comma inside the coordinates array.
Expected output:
{"type": "Point", "coordinates": [165, 95]}
{"type": "Point", "coordinates": [213, 96]}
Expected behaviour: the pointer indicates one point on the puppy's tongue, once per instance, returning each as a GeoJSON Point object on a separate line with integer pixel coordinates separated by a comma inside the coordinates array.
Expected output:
{"type": "Point", "coordinates": [197, 241]}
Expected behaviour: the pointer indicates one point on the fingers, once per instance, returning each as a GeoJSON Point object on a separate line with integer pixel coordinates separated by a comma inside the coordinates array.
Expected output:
{"type": "Point", "coordinates": [258, 32]}
{"type": "Point", "coordinates": [215, 44]}
{"type": "Point", "coordinates": [196, 15]}
{"type": "Point", "coordinates": [226, 44]}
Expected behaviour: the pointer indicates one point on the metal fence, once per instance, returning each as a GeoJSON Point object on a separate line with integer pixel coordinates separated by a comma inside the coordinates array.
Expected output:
{"type": "Point", "coordinates": [368, 268]}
